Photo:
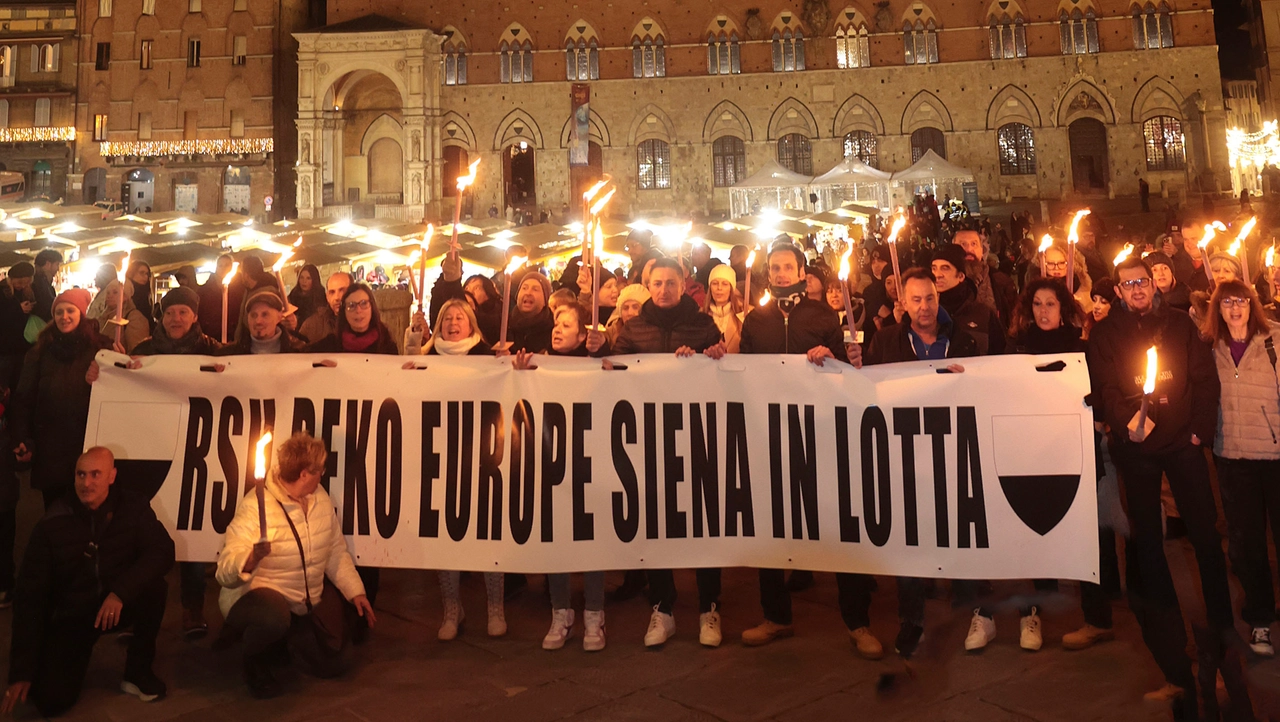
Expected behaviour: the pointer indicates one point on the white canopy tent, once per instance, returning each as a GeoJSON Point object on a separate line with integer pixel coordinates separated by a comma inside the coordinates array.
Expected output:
{"type": "Point", "coordinates": [931, 174]}
{"type": "Point", "coordinates": [852, 180]}
{"type": "Point", "coordinates": [770, 187]}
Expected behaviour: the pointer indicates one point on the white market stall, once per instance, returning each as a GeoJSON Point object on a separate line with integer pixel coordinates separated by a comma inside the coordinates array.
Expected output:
{"type": "Point", "coordinates": [852, 180]}
{"type": "Point", "coordinates": [770, 187]}
{"type": "Point", "coordinates": [931, 174]}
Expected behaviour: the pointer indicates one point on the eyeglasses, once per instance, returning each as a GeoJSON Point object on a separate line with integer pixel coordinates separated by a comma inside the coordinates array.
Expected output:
{"type": "Point", "coordinates": [1234, 302]}
{"type": "Point", "coordinates": [358, 305]}
{"type": "Point", "coordinates": [1135, 283]}
{"type": "Point", "coordinates": [1055, 264]}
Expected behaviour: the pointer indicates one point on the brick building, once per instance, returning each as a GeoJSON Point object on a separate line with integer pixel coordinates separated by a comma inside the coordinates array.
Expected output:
{"type": "Point", "coordinates": [1039, 99]}
{"type": "Point", "coordinates": [37, 94]}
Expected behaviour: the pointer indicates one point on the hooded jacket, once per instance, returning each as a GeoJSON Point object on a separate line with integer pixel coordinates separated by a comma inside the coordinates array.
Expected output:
{"type": "Point", "coordinates": [977, 318]}
{"type": "Point", "coordinates": [893, 344]}
{"type": "Point", "coordinates": [1187, 388]}
{"type": "Point", "coordinates": [1249, 406]}
{"type": "Point", "coordinates": [663, 330]}
{"type": "Point", "coordinates": [810, 324]}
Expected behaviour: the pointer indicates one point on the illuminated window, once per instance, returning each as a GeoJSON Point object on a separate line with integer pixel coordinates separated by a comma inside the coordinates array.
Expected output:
{"type": "Point", "coordinates": [729, 160]}
{"type": "Point", "coordinates": [515, 55]}
{"type": "Point", "coordinates": [239, 50]}
{"type": "Point", "coordinates": [648, 51]}
{"type": "Point", "coordinates": [861, 144]}
{"type": "Point", "coordinates": [787, 44]}
{"type": "Point", "coordinates": [920, 42]}
{"type": "Point", "coordinates": [853, 45]}
{"type": "Point", "coordinates": [104, 8]}
{"type": "Point", "coordinates": [1165, 144]}
{"type": "Point", "coordinates": [1079, 32]}
{"type": "Point", "coordinates": [1008, 37]}
{"type": "Point", "coordinates": [454, 49]}
{"type": "Point", "coordinates": [43, 109]}
{"type": "Point", "coordinates": [100, 127]}
{"type": "Point", "coordinates": [1016, 143]}
{"type": "Point", "coordinates": [795, 153]}
{"type": "Point", "coordinates": [144, 54]}
{"type": "Point", "coordinates": [1152, 27]}
{"type": "Point", "coordinates": [653, 165]}
{"type": "Point", "coordinates": [723, 57]}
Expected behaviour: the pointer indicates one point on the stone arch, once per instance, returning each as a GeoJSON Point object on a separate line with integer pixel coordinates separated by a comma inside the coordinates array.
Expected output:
{"type": "Point", "coordinates": [1157, 96]}
{"type": "Point", "coordinates": [792, 116]}
{"type": "Point", "coordinates": [648, 28]}
{"type": "Point", "coordinates": [999, 8]}
{"type": "Point", "coordinates": [925, 110]}
{"type": "Point", "coordinates": [191, 99]}
{"type": "Point", "coordinates": [581, 30]}
{"type": "Point", "coordinates": [1065, 7]}
{"type": "Point", "coordinates": [147, 95]}
{"type": "Point", "coordinates": [1083, 99]}
{"type": "Point", "coordinates": [918, 12]}
{"type": "Point", "coordinates": [336, 82]}
{"type": "Point", "coordinates": [598, 130]}
{"type": "Point", "coordinates": [651, 122]}
{"type": "Point", "coordinates": [344, 85]}
{"type": "Point", "coordinates": [193, 24]}
{"type": "Point", "coordinates": [454, 39]}
{"type": "Point", "coordinates": [727, 119]}
{"type": "Point", "coordinates": [147, 28]}
{"type": "Point", "coordinates": [1012, 104]}
{"type": "Point", "coordinates": [455, 130]}
{"type": "Point", "coordinates": [518, 125]}
{"type": "Point", "coordinates": [103, 28]}
{"type": "Point", "coordinates": [384, 126]}
{"type": "Point", "coordinates": [857, 113]}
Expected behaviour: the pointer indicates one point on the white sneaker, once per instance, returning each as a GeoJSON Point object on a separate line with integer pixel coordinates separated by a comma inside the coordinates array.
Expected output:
{"type": "Point", "coordinates": [709, 628]}
{"type": "Point", "coordinates": [1260, 642]}
{"type": "Point", "coordinates": [661, 628]}
{"type": "Point", "coordinates": [981, 632]}
{"type": "Point", "coordinates": [453, 617]}
{"type": "Point", "coordinates": [561, 629]}
{"type": "Point", "coordinates": [593, 635]}
{"type": "Point", "coordinates": [1031, 638]}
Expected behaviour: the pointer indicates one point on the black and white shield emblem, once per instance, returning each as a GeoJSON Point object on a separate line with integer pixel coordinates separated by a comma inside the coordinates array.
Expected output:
{"type": "Point", "coordinates": [1039, 462]}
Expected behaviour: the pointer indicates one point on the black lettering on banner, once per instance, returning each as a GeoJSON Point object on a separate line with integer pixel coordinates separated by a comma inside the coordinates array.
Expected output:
{"type": "Point", "coordinates": [971, 509]}
{"type": "Point", "coordinates": [672, 471]}
{"type": "Point", "coordinates": [428, 517]}
{"type": "Point", "coordinates": [230, 422]}
{"type": "Point", "coordinates": [555, 457]}
{"type": "Point", "coordinates": [522, 472]}
{"type": "Point", "coordinates": [650, 471]}
{"type": "Point", "coordinates": [489, 483]}
{"type": "Point", "coordinates": [387, 469]}
{"type": "Point", "coordinates": [906, 424]}
{"type": "Point", "coordinates": [804, 472]}
{"type": "Point", "coordinates": [704, 479]}
{"type": "Point", "coordinates": [737, 465]}
{"type": "Point", "coordinates": [195, 468]}
{"type": "Point", "coordinates": [330, 418]}
{"type": "Point", "coordinates": [626, 503]}
{"type": "Point", "coordinates": [583, 522]}
{"type": "Point", "coordinates": [849, 531]}
{"type": "Point", "coordinates": [937, 424]}
{"type": "Point", "coordinates": [304, 416]}
{"type": "Point", "coordinates": [355, 489]}
{"type": "Point", "coordinates": [457, 483]}
{"type": "Point", "coordinates": [875, 473]}
{"type": "Point", "coordinates": [775, 470]}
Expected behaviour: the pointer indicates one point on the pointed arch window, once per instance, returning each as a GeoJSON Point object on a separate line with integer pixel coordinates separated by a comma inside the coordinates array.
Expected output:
{"type": "Point", "coordinates": [853, 46]}
{"type": "Point", "coordinates": [1016, 143]}
{"type": "Point", "coordinates": [454, 49]}
{"type": "Point", "coordinates": [1152, 26]}
{"type": "Point", "coordinates": [648, 50]}
{"type": "Point", "coordinates": [920, 42]}
{"type": "Point", "coordinates": [1165, 145]}
{"type": "Point", "coordinates": [1079, 32]}
{"type": "Point", "coordinates": [729, 160]}
{"type": "Point", "coordinates": [795, 153]}
{"type": "Point", "coordinates": [861, 144]}
{"type": "Point", "coordinates": [928, 139]}
{"type": "Point", "coordinates": [515, 60]}
{"type": "Point", "coordinates": [581, 53]}
{"type": "Point", "coordinates": [1008, 37]}
{"type": "Point", "coordinates": [653, 165]}
{"type": "Point", "coordinates": [787, 44]}
{"type": "Point", "coordinates": [723, 56]}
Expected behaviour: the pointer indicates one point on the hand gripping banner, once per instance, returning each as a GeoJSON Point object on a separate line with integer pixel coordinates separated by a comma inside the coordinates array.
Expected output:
{"type": "Point", "coordinates": [758, 461]}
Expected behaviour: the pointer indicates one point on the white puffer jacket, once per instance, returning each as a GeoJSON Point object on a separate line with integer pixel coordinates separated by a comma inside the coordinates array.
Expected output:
{"type": "Point", "coordinates": [1249, 411]}
{"type": "Point", "coordinates": [321, 535]}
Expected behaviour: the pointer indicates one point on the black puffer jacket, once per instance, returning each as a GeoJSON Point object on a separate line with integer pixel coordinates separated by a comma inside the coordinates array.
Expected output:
{"type": "Point", "coordinates": [75, 558]}
{"type": "Point", "coordinates": [1187, 386]}
{"type": "Point", "coordinates": [488, 314]}
{"type": "Point", "coordinates": [976, 318]}
{"type": "Point", "coordinates": [663, 330]}
{"type": "Point", "coordinates": [196, 342]}
{"type": "Point", "coordinates": [810, 324]}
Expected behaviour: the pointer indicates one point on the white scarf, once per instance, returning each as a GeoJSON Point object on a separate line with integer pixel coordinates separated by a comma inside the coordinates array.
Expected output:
{"type": "Point", "coordinates": [455, 348]}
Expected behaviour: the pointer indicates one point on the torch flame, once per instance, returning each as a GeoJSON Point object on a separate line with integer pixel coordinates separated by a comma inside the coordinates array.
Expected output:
{"type": "Point", "coordinates": [764, 300]}
{"type": "Point", "coordinates": [1210, 232]}
{"type": "Point", "coordinates": [231, 274]}
{"type": "Point", "coordinates": [284, 258]}
{"type": "Point", "coordinates": [1073, 235]}
{"type": "Point", "coordinates": [1150, 386]}
{"type": "Point", "coordinates": [260, 457]}
{"type": "Point", "coordinates": [898, 224]}
{"type": "Point", "coordinates": [297, 242]}
{"type": "Point", "coordinates": [1271, 257]}
{"type": "Point", "coordinates": [1246, 229]}
{"type": "Point", "coordinates": [515, 264]}
{"type": "Point", "coordinates": [1234, 248]}
{"type": "Point", "coordinates": [593, 190]}
{"type": "Point", "coordinates": [597, 245]}
{"type": "Point", "coordinates": [1045, 242]}
{"type": "Point", "coordinates": [470, 177]}
{"type": "Point", "coordinates": [844, 264]}
{"type": "Point", "coordinates": [427, 234]}
{"type": "Point", "coordinates": [751, 259]}
{"type": "Point", "coordinates": [124, 268]}
{"type": "Point", "coordinates": [413, 257]}
{"type": "Point", "coordinates": [604, 201]}
{"type": "Point", "coordinates": [1123, 254]}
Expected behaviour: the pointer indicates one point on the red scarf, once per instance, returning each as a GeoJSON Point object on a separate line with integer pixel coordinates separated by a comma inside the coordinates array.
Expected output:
{"type": "Point", "coordinates": [356, 342]}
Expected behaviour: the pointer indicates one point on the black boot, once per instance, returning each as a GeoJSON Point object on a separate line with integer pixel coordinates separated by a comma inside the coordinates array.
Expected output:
{"type": "Point", "coordinates": [257, 674]}
{"type": "Point", "coordinates": [632, 586]}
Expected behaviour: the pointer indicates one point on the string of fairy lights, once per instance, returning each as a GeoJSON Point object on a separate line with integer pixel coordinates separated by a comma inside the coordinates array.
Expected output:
{"type": "Point", "coordinates": [160, 148]}
{"type": "Point", "coordinates": [1259, 149]}
{"type": "Point", "coordinates": [38, 135]}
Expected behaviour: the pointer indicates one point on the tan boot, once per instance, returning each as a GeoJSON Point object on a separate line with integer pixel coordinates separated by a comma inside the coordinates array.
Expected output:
{"type": "Point", "coordinates": [1167, 693]}
{"type": "Point", "coordinates": [766, 632]}
{"type": "Point", "coordinates": [1086, 637]}
{"type": "Point", "coordinates": [866, 643]}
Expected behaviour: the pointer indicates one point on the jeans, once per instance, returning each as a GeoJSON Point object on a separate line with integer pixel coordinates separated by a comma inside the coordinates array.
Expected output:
{"type": "Point", "coordinates": [592, 589]}
{"type": "Point", "coordinates": [1250, 498]}
{"type": "Point", "coordinates": [1152, 595]}
{"type": "Point", "coordinates": [662, 589]}
{"type": "Point", "coordinates": [68, 645]}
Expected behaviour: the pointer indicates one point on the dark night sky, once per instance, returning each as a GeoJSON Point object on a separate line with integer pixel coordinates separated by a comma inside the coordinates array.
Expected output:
{"type": "Point", "coordinates": [1233, 42]}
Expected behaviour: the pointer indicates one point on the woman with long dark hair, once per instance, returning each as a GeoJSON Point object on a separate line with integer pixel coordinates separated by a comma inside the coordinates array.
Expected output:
{"type": "Point", "coordinates": [360, 328]}
{"type": "Point", "coordinates": [308, 294]}
{"type": "Point", "coordinates": [1047, 319]}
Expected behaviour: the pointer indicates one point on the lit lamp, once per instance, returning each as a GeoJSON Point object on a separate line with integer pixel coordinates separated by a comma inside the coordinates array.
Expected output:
{"type": "Point", "coordinates": [225, 281]}
{"type": "Point", "coordinates": [1073, 237]}
{"type": "Point", "coordinates": [463, 182]}
{"type": "Point", "coordinates": [260, 479]}
{"type": "Point", "coordinates": [1148, 388]}
{"type": "Point", "coordinates": [515, 263]}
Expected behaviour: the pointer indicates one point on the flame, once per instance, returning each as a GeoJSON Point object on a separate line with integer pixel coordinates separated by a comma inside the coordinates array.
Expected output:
{"type": "Point", "coordinates": [297, 242]}
{"type": "Point", "coordinates": [1123, 254]}
{"type": "Point", "coordinates": [593, 190]}
{"type": "Point", "coordinates": [1045, 243]}
{"type": "Point", "coordinates": [515, 264]}
{"type": "Point", "coordinates": [470, 177]}
{"type": "Point", "coordinates": [1234, 248]}
{"type": "Point", "coordinates": [413, 257]}
{"type": "Point", "coordinates": [844, 264]}
{"type": "Point", "coordinates": [751, 259]}
{"type": "Point", "coordinates": [124, 268]}
{"type": "Point", "coordinates": [1246, 229]}
{"type": "Point", "coordinates": [898, 224]}
{"type": "Point", "coordinates": [284, 258]}
{"type": "Point", "coordinates": [260, 457]}
{"type": "Point", "coordinates": [604, 201]}
{"type": "Point", "coordinates": [231, 274]}
{"type": "Point", "coordinates": [766, 298]}
{"type": "Point", "coordinates": [597, 246]}
{"type": "Point", "coordinates": [1073, 236]}
{"type": "Point", "coordinates": [1271, 257]}
{"type": "Point", "coordinates": [1209, 233]}
{"type": "Point", "coordinates": [1150, 386]}
{"type": "Point", "coordinates": [427, 234]}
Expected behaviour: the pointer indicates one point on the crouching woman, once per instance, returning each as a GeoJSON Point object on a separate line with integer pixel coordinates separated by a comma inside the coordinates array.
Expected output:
{"type": "Point", "coordinates": [297, 579]}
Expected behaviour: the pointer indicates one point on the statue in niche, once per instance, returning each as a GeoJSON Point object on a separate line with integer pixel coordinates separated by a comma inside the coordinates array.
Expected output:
{"type": "Point", "coordinates": [306, 192]}
{"type": "Point", "coordinates": [417, 145]}
{"type": "Point", "coordinates": [417, 188]}
{"type": "Point", "coordinates": [306, 149]}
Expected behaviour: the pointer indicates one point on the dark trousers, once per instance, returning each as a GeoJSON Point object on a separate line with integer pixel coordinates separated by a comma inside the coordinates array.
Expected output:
{"type": "Point", "coordinates": [1250, 498]}
{"type": "Point", "coordinates": [853, 595]}
{"type": "Point", "coordinates": [966, 594]}
{"type": "Point", "coordinates": [372, 579]}
{"type": "Point", "coordinates": [192, 577]}
{"type": "Point", "coordinates": [8, 533]}
{"type": "Point", "coordinates": [662, 589]}
{"type": "Point", "coordinates": [262, 620]}
{"type": "Point", "coordinates": [1152, 595]}
{"type": "Point", "coordinates": [1095, 599]}
{"type": "Point", "coordinates": [68, 645]}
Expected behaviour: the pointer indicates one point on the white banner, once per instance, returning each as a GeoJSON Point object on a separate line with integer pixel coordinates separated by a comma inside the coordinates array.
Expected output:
{"type": "Point", "coordinates": [759, 461]}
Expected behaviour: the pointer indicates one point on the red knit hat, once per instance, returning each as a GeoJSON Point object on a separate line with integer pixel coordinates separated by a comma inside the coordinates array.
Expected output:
{"type": "Point", "coordinates": [77, 297]}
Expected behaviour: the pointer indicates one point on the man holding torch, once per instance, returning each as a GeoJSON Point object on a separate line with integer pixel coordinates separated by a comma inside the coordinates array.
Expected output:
{"type": "Point", "coordinates": [1182, 417]}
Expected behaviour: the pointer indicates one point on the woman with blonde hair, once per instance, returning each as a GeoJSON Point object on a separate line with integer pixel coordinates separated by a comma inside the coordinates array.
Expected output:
{"type": "Point", "coordinates": [724, 303]}
{"type": "Point", "coordinates": [135, 327]}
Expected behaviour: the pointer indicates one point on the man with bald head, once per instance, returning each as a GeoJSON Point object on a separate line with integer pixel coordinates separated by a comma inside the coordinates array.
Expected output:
{"type": "Point", "coordinates": [95, 563]}
{"type": "Point", "coordinates": [324, 322]}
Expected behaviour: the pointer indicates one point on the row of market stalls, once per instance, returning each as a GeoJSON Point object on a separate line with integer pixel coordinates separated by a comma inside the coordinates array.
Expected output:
{"type": "Point", "coordinates": [850, 181]}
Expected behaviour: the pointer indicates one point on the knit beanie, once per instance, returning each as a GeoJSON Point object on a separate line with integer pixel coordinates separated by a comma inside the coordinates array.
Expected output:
{"type": "Point", "coordinates": [22, 269]}
{"type": "Point", "coordinates": [181, 296]}
{"type": "Point", "coordinates": [1158, 258]}
{"type": "Point", "coordinates": [77, 297]}
{"type": "Point", "coordinates": [638, 293]}
{"type": "Point", "coordinates": [723, 272]}
{"type": "Point", "coordinates": [541, 280]}
{"type": "Point", "coordinates": [1105, 289]}
{"type": "Point", "coordinates": [953, 254]}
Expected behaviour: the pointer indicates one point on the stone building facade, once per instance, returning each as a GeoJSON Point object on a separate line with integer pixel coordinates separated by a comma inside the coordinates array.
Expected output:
{"type": "Point", "coordinates": [37, 94]}
{"type": "Point", "coordinates": [1038, 99]}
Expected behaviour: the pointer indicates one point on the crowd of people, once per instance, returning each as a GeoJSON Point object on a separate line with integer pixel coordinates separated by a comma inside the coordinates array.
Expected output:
{"type": "Point", "coordinates": [99, 558]}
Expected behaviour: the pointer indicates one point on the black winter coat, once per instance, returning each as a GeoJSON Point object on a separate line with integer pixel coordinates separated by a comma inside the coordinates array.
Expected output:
{"type": "Point", "coordinates": [13, 322]}
{"type": "Point", "coordinates": [42, 287]}
{"type": "Point", "coordinates": [658, 330]}
{"type": "Point", "coordinates": [810, 324]}
{"type": "Point", "coordinates": [893, 344]}
{"type": "Point", "coordinates": [75, 558]}
{"type": "Point", "coordinates": [530, 332]}
{"type": "Point", "coordinates": [488, 314]}
{"type": "Point", "coordinates": [333, 344]}
{"type": "Point", "coordinates": [195, 343]}
{"type": "Point", "coordinates": [243, 346]}
{"type": "Point", "coordinates": [1187, 388]}
{"type": "Point", "coordinates": [975, 317]}
{"type": "Point", "coordinates": [1063, 339]}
